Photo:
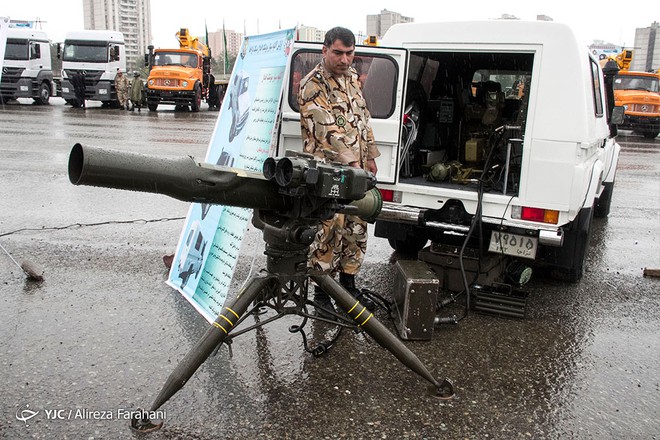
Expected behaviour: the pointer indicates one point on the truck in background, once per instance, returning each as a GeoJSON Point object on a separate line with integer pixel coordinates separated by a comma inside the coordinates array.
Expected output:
{"type": "Point", "coordinates": [27, 69]}
{"type": "Point", "coordinates": [639, 94]}
{"type": "Point", "coordinates": [181, 76]}
{"type": "Point", "coordinates": [495, 142]}
{"type": "Point", "coordinates": [96, 55]}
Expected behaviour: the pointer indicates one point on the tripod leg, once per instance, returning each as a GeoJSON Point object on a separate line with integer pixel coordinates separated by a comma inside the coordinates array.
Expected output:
{"type": "Point", "coordinates": [379, 332]}
{"type": "Point", "coordinates": [213, 337]}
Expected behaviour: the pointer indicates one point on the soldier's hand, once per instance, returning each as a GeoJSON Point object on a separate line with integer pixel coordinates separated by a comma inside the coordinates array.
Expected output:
{"type": "Point", "coordinates": [371, 166]}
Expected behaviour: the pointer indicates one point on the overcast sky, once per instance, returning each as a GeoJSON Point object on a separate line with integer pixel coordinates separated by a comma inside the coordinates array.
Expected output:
{"type": "Point", "coordinates": [611, 20]}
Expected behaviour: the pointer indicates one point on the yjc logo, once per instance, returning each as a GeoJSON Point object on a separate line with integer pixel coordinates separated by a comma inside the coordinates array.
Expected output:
{"type": "Point", "coordinates": [25, 414]}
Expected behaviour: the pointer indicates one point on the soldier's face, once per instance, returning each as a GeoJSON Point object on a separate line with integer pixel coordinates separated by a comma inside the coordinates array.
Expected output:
{"type": "Point", "coordinates": [338, 58]}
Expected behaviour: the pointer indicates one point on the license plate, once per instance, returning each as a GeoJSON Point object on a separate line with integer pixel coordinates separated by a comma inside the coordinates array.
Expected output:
{"type": "Point", "coordinates": [513, 244]}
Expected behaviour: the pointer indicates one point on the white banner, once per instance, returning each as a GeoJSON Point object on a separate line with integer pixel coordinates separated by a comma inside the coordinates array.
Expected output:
{"type": "Point", "coordinates": [209, 245]}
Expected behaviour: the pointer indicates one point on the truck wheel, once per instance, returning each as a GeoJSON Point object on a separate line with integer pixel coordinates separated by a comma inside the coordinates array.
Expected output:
{"type": "Point", "coordinates": [650, 134]}
{"type": "Point", "coordinates": [152, 105]}
{"type": "Point", "coordinates": [577, 244]}
{"type": "Point", "coordinates": [602, 209]}
{"type": "Point", "coordinates": [196, 103]}
{"type": "Point", "coordinates": [44, 94]}
{"type": "Point", "coordinates": [410, 246]}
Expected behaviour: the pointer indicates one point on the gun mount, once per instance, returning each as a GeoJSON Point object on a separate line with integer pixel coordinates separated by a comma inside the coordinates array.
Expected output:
{"type": "Point", "coordinates": [290, 200]}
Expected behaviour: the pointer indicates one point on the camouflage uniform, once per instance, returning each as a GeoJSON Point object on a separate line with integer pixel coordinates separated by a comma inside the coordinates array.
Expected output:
{"type": "Point", "coordinates": [121, 86]}
{"type": "Point", "coordinates": [335, 126]}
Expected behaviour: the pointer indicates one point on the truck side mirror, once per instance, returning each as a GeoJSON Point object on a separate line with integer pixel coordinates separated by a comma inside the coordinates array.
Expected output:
{"type": "Point", "coordinates": [146, 60]}
{"type": "Point", "coordinates": [116, 53]}
{"type": "Point", "coordinates": [59, 51]}
{"type": "Point", "coordinates": [617, 115]}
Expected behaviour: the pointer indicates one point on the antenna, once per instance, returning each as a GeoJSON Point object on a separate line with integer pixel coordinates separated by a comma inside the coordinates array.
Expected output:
{"type": "Point", "coordinates": [38, 22]}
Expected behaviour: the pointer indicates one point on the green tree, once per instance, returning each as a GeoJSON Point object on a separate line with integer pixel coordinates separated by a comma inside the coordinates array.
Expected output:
{"type": "Point", "coordinates": [217, 64]}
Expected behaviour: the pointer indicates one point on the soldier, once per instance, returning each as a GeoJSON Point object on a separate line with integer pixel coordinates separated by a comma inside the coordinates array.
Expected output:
{"type": "Point", "coordinates": [335, 127]}
{"type": "Point", "coordinates": [121, 86]}
{"type": "Point", "coordinates": [137, 91]}
{"type": "Point", "coordinates": [78, 83]}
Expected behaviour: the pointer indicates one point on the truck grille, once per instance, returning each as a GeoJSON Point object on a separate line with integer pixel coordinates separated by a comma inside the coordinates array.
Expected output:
{"type": "Point", "coordinates": [166, 82]}
{"type": "Point", "coordinates": [91, 77]}
{"type": "Point", "coordinates": [10, 76]}
{"type": "Point", "coordinates": [644, 108]}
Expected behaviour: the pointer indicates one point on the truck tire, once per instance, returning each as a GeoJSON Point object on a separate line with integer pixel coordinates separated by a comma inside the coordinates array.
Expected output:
{"type": "Point", "coordinates": [650, 134]}
{"type": "Point", "coordinates": [44, 94]}
{"type": "Point", "coordinates": [604, 202]}
{"type": "Point", "coordinates": [576, 245]}
{"type": "Point", "coordinates": [196, 103]}
{"type": "Point", "coordinates": [152, 105]}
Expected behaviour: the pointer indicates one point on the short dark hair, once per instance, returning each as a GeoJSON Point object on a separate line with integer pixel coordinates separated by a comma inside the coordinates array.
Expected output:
{"type": "Point", "coordinates": [339, 33]}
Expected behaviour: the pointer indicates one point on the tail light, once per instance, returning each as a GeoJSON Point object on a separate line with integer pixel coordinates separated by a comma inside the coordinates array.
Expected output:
{"type": "Point", "coordinates": [539, 215]}
{"type": "Point", "coordinates": [390, 195]}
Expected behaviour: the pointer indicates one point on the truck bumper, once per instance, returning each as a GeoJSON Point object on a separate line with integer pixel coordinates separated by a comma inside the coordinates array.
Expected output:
{"type": "Point", "coordinates": [101, 91]}
{"type": "Point", "coordinates": [170, 96]}
{"type": "Point", "coordinates": [641, 123]}
{"type": "Point", "coordinates": [24, 88]}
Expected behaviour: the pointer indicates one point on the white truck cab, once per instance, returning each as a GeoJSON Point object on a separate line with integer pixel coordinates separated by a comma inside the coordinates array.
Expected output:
{"type": "Point", "coordinates": [493, 134]}
{"type": "Point", "coordinates": [27, 69]}
{"type": "Point", "coordinates": [97, 55]}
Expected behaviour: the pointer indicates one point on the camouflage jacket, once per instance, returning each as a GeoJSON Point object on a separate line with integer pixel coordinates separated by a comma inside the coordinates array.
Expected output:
{"type": "Point", "coordinates": [334, 118]}
{"type": "Point", "coordinates": [121, 83]}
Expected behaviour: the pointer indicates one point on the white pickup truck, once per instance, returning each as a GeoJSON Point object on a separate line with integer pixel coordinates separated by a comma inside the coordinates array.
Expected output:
{"type": "Point", "coordinates": [492, 134]}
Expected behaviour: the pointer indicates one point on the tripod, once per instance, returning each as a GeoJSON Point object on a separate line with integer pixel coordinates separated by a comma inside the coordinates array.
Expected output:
{"type": "Point", "coordinates": [283, 285]}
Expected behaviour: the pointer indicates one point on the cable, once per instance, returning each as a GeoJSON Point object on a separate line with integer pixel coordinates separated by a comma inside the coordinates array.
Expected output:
{"type": "Point", "coordinates": [80, 225]}
{"type": "Point", "coordinates": [476, 219]}
{"type": "Point", "coordinates": [12, 258]}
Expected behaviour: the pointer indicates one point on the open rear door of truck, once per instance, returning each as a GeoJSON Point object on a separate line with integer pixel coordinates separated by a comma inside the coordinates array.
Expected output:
{"type": "Point", "coordinates": [382, 73]}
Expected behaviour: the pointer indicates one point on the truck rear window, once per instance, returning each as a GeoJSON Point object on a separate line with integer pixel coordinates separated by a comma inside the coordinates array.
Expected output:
{"type": "Point", "coordinates": [378, 75]}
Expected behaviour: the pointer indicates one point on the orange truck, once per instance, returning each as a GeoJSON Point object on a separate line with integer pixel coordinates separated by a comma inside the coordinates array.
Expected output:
{"type": "Point", "coordinates": [639, 94]}
{"type": "Point", "coordinates": [181, 76]}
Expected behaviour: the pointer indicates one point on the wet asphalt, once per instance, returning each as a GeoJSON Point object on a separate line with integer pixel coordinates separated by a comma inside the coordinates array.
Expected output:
{"type": "Point", "coordinates": [101, 333]}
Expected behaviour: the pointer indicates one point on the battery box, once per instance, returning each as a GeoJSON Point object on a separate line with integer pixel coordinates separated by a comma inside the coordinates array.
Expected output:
{"type": "Point", "coordinates": [415, 299]}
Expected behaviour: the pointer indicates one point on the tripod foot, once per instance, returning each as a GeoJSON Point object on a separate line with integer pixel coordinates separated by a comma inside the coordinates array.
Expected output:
{"type": "Point", "coordinates": [141, 424]}
{"type": "Point", "coordinates": [445, 391]}
{"type": "Point", "coordinates": [378, 331]}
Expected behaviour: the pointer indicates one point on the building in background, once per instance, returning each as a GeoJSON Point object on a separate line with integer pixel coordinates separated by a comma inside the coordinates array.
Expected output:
{"type": "Point", "coordinates": [507, 17]}
{"type": "Point", "coordinates": [378, 24]}
{"type": "Point", "coordinates": [220, 40]}
{"type": "Point", "coordinates": [130, 17]}
{"type": "Point", "coordinates": [646, 55]}
{"type": "Point", "coordinates": [217, 45]}
{"type": "Point", "coordinates": [308, 33]}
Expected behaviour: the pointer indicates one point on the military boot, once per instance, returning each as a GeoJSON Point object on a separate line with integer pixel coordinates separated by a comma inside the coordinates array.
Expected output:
{"type": "Point", "coordinates": [348, 282]}
{"type": "Point", "coordinates": [324, 303]}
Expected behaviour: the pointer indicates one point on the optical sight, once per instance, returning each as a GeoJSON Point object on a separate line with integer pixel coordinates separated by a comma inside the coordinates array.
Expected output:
{"type": "Point", "coordinates": [299, 174]}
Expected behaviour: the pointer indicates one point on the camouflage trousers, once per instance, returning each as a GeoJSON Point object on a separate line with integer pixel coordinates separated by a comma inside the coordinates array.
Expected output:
{"type": "Point", "coordinates": [339, 245]}
{"type": "Point", "coordinates": [122, 97]}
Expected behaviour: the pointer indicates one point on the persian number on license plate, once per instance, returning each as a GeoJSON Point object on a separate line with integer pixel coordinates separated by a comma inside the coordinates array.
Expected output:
{"type": "Point", "coordinates": [513, 244]}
